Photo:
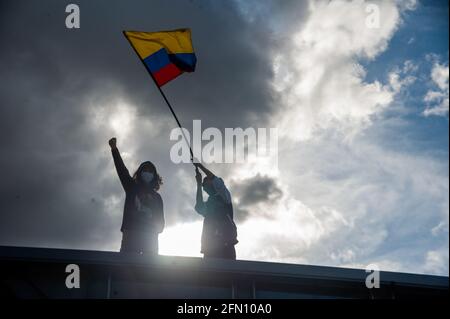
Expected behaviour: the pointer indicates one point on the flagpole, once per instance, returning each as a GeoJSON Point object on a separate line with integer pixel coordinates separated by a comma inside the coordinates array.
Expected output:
{"type": "Point", "coordinates": [176, 118]}
{"type": "Point", "coordinates": [165, 98]}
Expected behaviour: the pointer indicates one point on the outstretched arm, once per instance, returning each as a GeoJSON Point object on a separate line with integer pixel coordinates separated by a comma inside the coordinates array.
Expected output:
{"type": "Point", "coordinates": [122, 171]}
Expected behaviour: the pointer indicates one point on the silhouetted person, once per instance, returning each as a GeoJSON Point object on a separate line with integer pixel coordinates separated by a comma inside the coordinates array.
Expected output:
{"type": "Point", "coordinates": [143, 215]}
{"type": "Point", "coordinates": [219, 233]}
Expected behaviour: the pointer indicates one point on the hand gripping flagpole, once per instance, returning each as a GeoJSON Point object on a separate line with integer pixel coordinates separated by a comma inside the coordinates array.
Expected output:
{"type": "Point", "coordinates": [165, 99]}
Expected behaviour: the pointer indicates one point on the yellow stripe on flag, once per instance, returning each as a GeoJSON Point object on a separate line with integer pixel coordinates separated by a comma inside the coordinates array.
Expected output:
{"type": "Point", "coordinates": [147, 43]}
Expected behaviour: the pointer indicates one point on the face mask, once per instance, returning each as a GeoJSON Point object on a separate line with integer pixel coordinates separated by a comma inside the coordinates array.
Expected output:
{"type": "Point", "coordinates": [146, 177]}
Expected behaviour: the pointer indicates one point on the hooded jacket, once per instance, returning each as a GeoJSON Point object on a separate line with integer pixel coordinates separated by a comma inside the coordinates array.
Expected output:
{"type": "Point", "coordinates": [219, 229]}
{"type": "Point", "coordinates": [143, 210]}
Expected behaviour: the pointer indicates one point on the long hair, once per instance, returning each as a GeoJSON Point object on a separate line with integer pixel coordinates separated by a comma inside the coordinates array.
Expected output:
{"type": "Point", "coordinates": [157, 179]}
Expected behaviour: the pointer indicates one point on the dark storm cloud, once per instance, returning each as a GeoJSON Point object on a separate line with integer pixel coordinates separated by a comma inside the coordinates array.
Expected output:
{"type": "Point", "coordinates": [254, 191]}
{"type": "Point", "coordinates": [233, 71]}
{"type": "Point", "coordinates": [57, 184]}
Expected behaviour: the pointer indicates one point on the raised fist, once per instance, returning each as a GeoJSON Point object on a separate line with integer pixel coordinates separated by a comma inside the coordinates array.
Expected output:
{"type": "Point", "coordinates": [112, 142]}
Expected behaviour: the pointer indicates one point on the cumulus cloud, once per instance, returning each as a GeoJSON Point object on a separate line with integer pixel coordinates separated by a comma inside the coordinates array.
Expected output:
{"type": "Point", "coordinates": [437, 98]}
{"type": "Point", "coordinates": [355, 200]}
{"type": "Point", "coordinates": [401, 78]}
{"type": "Point", "coordinates": [351, 204]}
{"type": "Point", "coordinates": [387, 199]}
{"type": "Point", "coordinates": [317, 74]}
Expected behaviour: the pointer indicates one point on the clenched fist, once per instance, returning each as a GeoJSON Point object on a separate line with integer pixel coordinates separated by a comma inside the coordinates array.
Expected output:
{"type": "Point", "coordinates": [112, 142]}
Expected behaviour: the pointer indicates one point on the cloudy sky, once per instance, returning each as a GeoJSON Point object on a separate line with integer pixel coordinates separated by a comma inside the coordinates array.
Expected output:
{"type": "Point", "coordinates": [362, 173]}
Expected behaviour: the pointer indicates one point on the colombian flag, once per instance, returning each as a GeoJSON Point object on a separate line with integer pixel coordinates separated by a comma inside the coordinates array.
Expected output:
{"type": "Point", "coordinates": [166, 54]}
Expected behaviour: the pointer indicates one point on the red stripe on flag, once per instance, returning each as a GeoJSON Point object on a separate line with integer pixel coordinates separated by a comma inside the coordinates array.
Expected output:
{"type": "Point", "coordinates": [166, 73]}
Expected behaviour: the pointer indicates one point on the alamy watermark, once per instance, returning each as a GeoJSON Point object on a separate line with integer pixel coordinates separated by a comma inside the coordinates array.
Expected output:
{"type": "Point", "coordinates": [373, 278]}
{"type": "Point", "coordinates": [372, 20]}
{"type": "Point", "coordinates": [73, 17]}
{"type": "Point", "coordinates": [73, 279]}
{"type": "Point", "coordinates": [233, 145]}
